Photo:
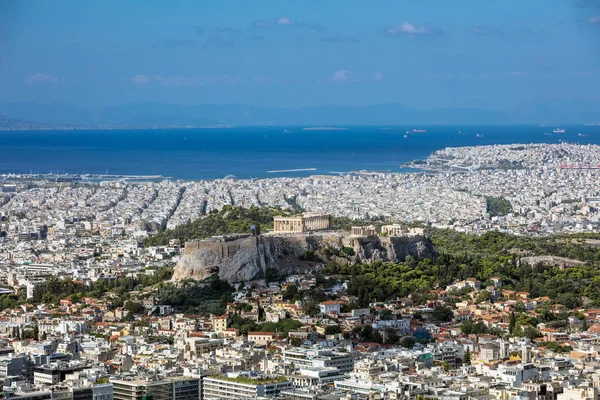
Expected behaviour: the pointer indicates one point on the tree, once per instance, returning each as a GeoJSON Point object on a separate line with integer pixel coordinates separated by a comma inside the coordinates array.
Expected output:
{"type": "Point", "coordinates": [466, 328]}
{"type": "Point", "coordinates": [391, 337]}
{"type": "Point", "coordinates": [366, 332]}
{"type": "Point", "coordinates": [134, 307]}
{"type": "Point", "coordinates": [408, 342]}
{"type": "Point", "coordinates": [512, 322]}
{"type": "Point", "coordinates": [467, 357]}
{"type": "Point", "coordinates": [584, 325]}
{"type": "Point", "coordinates": [497, 206]}
{"type": "Point", "coordinates": [332, 330]}
{"type": "Point", "coordinates": [443, 314]}
{"type": "Point", "coordinates": [483, 295]}
{"type": "Point", "coordinates": [480, 328]}
{"type": "Point", "coordinates": [385, 314]}
{"type": "Point", "coordinates": [527, 331]}
{"type": "Point", "coordinates": [291, 292]}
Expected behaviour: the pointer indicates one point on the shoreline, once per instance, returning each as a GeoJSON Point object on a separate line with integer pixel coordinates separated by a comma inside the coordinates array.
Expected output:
{"type": "Point", "coordinates": [432, 164]}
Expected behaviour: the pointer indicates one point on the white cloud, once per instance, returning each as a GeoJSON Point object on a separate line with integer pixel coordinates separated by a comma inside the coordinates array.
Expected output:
{"type": "Point", "coordinates": [284, 21]}
{"type": "Point", "coordinates": [408, 29]}
{"type": "Point", "coordinates": [41, 78]}
{"type": "Point", "coordinates": [378, 76]}
{"type": "Point", "coordinates": [594, 19]}
{"type": "Point", "coordinates": [341, 75]}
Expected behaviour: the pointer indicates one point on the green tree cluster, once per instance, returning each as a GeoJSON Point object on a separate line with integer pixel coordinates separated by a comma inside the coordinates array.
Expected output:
{"type": "Point", "coordinates": [226, 221]}
{"type": "Point", "coordinates": [209, 296]}
{"type": "Point", "coordinates": [55, 289]}
{"type": "Point", "coordinates": [497, 206]}
{"type": "Point", "coordinates": [245, 325]}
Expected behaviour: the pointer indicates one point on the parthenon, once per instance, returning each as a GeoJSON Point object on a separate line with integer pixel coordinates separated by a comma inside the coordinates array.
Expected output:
{"type": "Point", "coordinates": [301, 223]}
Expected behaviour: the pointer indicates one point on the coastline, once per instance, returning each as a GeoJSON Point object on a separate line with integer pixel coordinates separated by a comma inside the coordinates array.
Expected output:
{"type": "Point", "coordinates": [251, 153]}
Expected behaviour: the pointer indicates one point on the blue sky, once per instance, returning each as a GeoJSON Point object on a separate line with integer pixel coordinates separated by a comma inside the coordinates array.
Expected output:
{"type": "Point", "coordinates": [422, 53]}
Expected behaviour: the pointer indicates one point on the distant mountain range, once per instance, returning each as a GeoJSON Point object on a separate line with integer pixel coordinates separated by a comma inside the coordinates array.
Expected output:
{"type": "Point", "coordinates": [62, 116]}
{"type": "Point", "coordinates": [9, 123]}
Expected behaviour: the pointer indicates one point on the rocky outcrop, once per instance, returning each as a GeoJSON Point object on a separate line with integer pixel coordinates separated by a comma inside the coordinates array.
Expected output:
{"type": "Point", "coordinates": [393, 248]}
{"type": "Point", "coordinates": [250, 260]}
{"type": "Point", "coordinates": [247, 258]}
{"type": "Point", "coordinates": [416, 246]}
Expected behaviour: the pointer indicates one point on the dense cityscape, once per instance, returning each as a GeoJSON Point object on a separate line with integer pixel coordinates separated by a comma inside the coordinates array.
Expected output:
{"type": "Point", "coordinates": [473, 277]}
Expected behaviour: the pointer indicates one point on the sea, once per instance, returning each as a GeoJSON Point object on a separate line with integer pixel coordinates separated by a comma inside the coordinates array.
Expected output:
{"type": "Point", "coordinates": [255, 152]}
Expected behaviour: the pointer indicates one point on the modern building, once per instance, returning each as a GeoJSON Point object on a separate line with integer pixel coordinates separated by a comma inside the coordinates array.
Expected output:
{"type": "Point", "coordinates": [302, 223]}
{"type": "Point", "coordinates": [311, 377]}
{"type": "Point", "coordinates": [238, 386]}
{"type": "Point", "coordinates": [54, 373]}
{"type": "Point", "coordinates": [308, 358]}
{"type": "Point", "coordinates": [15, 366]}
{"type": "Point", "coordinates": [82, 392]}
{"type": "Point", "coordinates": [173, 388]}
{"type": "Point", "coordinates": [103, 391]}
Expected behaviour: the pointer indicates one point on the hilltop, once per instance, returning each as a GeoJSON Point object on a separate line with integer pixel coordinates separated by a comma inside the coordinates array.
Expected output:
{"type": "Point", "coordinates": [226, 221]}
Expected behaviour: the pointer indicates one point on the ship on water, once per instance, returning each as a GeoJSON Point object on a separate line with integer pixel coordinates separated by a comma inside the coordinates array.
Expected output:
{"type": "Point", "coordinates": [558, 130]}
{"type": "Point", "coordinates": [479, 135]}
{"type": "Point", "coordinates": [419, 130]}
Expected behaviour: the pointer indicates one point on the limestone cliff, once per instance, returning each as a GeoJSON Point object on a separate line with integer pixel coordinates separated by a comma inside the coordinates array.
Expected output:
{"type": "Point", "coordinates": [394, 248]}
{"type": "Point", "coordinates": [247, 258]}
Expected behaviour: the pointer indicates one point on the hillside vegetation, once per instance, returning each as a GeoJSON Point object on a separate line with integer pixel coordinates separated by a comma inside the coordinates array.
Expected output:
{"type": "Point", "coordinates": [227, 221]}
{"type": "Point", "coordinates": [492, 254]}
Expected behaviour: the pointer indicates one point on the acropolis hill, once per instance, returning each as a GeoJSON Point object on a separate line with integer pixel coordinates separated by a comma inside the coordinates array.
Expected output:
{"type": "Point", "coordinates": [243, 257]}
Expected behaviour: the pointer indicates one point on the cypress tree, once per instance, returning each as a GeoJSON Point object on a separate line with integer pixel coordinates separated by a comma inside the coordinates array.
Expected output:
{"type": "Point", "coordinates": [512, 322]}
{"type": "Point", "coordinates": [467, 357]}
